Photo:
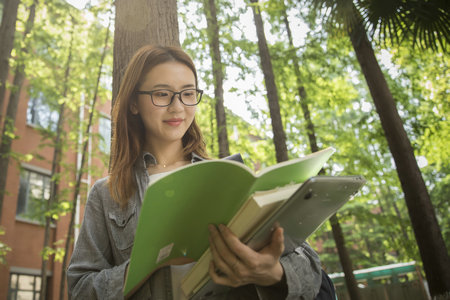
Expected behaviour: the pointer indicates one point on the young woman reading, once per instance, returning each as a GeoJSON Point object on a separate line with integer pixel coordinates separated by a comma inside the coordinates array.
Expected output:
{"type": "Point", "coordinates": [155, 132]}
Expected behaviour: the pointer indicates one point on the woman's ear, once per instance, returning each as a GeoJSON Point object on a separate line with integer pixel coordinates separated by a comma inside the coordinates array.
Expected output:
{"type": "Point", "coordinates": [133, 108]}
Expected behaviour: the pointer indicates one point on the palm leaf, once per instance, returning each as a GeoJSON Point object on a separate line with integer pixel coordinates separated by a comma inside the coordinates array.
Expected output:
{"type": "Point", "coordinates": [426, 23]}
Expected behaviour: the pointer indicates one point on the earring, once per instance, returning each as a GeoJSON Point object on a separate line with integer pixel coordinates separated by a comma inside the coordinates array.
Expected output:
{"type": "Point", "coordinates": [133, 109]}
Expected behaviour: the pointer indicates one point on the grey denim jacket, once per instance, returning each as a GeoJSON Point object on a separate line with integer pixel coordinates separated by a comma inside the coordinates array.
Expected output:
{"type": "Point", "coordinates": [103, 248]}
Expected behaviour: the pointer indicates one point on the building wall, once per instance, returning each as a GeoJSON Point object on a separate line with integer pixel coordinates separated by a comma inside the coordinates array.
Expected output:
{"type": "Point", "coordinates": [24, 237]}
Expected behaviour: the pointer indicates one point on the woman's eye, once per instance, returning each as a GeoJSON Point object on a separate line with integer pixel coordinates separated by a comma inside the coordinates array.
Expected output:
{"type": "Point", "coordinates": [161, 94]}
{"type": "Point", "coordinates": [188, 93]}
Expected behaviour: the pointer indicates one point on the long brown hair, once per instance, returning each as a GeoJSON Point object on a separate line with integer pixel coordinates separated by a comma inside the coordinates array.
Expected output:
{"type": "Point", "coordinates": [128, 129]}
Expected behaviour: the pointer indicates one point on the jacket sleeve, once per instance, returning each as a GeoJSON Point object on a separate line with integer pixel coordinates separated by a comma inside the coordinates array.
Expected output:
{"type": "Point", "coordinates": [302, 274]}
{"type": "Point", "coordinates": [302, 278]}
{"type": "Point", "coordinates": [91, 273]}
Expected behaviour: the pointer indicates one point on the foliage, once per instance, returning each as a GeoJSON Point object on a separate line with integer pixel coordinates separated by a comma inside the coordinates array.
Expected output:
{"type": "Point", "coordinates": [4, 249]}
{"type": "Point", "coordinates": [420, 82]}
{"type": "Point", "coordinates": [341, 110]}
{"type": "Point", "coordinates": [344, 118]}
{"type": "Point", "coordinates": [56, 252]}
{"type": "Point", "coordinates": [45, 65]}
{"type": "Point", "coordinates": [253, 144]}
{"type": "Point", "coordinates": [424, 23]}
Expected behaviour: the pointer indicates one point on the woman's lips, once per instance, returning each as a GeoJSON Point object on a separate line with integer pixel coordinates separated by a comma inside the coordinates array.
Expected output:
{"type": "Point", "coordinates": [174, 122]}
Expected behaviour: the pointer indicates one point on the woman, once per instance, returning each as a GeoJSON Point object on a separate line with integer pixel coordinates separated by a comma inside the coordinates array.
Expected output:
{"type": "Point", "coordinates": [155, 132]}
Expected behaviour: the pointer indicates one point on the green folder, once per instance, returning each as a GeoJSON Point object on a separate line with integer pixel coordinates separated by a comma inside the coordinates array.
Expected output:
{"type": "Point", "coordinates": [178, 207]}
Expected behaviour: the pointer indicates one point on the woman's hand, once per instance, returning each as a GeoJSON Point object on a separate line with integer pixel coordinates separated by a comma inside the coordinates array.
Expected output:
{"type": "Point", "coordinates": [235, 264]}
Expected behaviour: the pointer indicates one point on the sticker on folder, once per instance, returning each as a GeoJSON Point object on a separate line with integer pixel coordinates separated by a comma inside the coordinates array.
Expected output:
{"type": "Point", "coordinates": [164, 252]}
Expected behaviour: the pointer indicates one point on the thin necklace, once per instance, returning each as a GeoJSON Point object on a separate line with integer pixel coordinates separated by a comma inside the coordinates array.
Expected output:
{"type": "Point", "coordinates": [164, 165]}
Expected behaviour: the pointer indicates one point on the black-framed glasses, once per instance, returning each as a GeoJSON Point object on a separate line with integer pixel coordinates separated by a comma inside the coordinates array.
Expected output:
{"type": "Point", "coordinates": [162, 97]}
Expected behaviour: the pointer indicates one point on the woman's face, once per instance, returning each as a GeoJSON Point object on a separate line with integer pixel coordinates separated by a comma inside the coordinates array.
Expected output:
{"type": "Point", "coordinates": [165, 124]}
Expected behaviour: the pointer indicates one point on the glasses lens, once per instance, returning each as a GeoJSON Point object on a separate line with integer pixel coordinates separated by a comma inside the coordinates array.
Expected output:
{"type": "Point", "coordinates": [190, 97]}
{"type": "Point", "coordinates": [162, 97]}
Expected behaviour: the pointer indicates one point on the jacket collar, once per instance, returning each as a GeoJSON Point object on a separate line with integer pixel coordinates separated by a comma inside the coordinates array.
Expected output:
{"type": "Point", "coordinates": [149, 159]}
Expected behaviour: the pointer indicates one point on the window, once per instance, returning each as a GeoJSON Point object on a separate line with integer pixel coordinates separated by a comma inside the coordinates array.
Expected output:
{"type": "Point", "coordinates": [106, 78]}
{"type": "Point", "coordinates": [34, 192]}
{"type": "Point", "coordinates": [104, 128]}
{"type": "Point", "coordinates": [40, 114]}
{"type": "Point", "coordinates": [23, 286]}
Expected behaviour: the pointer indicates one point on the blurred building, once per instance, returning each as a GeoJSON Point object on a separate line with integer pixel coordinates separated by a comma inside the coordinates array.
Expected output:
{"type": "Point", "coordinates": [28, 189]}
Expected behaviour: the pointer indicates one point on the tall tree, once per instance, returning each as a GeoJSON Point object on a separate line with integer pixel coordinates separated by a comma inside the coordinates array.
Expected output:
{"type": "Point", "coordinates": [7, 31]}
{"type": "Point", "coordinates": [428, 235]}
{"type": "Point", "coordinates": [138, 23]}
{"type": "Point", "coordinates": [56, 161]}
{"type": "Point", "coordinates": [279, 136]}
{"type": "Point", "coordinates": [338, 236]}
{"type": "Point", "coordinates": [217, 66]}
{"type": "Point", "coordinates": [426, 228]}
{"type": "Point", "coordinates": [10, 118]}
{"type": "Point", "coordinates": [80, 172]}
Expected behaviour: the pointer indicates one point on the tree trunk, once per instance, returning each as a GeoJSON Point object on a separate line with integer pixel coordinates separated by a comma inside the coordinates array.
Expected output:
{"type": "Point", "coordinates": [388, 197]}
{"type": "Point", "coordinates": [214, 46]}
{"type": "Point", "coordinates": [301, 89]}
{"type": "Point", "coordinates": [10, 119]}
{"type": "Point", "coordinates": [391, 202]}
{"type": "Point", "coordinates": [139, 23]}
{"type": "Point", "coordinates": [400, 242]}
{"type": "Point", "coordinates": [346, 262]}
{"type": "Point", "coordinates": [279, 137]}
{"type": "Point", "coordinates": [80, 171]}
{"type": "Point", "coordinates": [211, 125]}
{"type": "Point", "coordinates": [8, 129]}
{"type": "Point", "coordinates": [7, 31]}
{"type": "Point", "coordinates": [57, 155]}
{"type": "Point", "coordinates": [344, 257]}
{"type": "Point", "coordinates": [428, 235]}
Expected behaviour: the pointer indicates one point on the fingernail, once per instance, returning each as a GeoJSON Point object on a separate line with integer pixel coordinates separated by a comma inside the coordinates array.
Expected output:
{"type": "Point", "coordinates": [211, 228]}
{"type": "Point", "coordinates": [221, 227]}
